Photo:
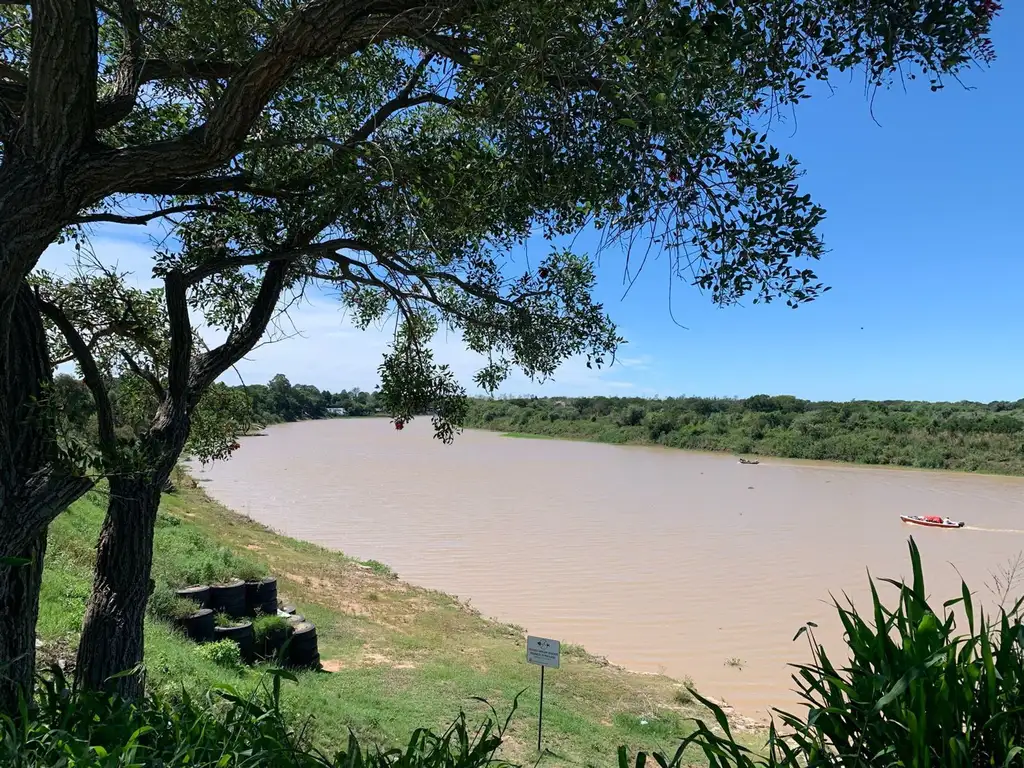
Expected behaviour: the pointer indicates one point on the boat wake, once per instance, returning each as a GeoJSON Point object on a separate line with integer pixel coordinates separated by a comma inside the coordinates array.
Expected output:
{"type": "Point", "coordinates": [992, 530]}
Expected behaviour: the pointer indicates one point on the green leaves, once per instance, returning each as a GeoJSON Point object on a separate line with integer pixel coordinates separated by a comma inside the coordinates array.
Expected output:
{"type": "Point", "coordinates": [914, 692]}
{"type": "Point", "coordinates": [411, 384]}
{"type": "Point", "coordinates": [226, 729]}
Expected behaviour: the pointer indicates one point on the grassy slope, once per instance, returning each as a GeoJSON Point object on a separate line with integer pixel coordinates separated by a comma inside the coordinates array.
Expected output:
{"type": "Point", "coordinates": [404, 657]}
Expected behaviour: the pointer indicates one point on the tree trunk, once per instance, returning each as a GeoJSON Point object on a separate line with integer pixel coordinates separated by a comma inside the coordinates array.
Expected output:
{"type": "Point", "coordinates": [112, 633]}
{"type": "Point", "coordinates": [19, 609]}
{"type": "Point", "coordinates": [113, 630]}
{"type": "Point", "coordinates": [33, 490]}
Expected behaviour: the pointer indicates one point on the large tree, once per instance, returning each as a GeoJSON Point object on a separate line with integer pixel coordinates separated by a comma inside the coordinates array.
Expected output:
{"type": "Point", "coordinates": [638, 116]}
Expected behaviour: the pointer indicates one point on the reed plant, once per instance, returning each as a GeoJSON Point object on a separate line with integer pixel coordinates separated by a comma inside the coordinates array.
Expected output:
{"type": "Point", "coordinates": [917, 691]}
{"type": "Point", "coordinates": [225, 729]}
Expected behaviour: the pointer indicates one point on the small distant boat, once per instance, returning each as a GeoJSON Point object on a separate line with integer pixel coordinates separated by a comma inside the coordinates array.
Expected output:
{"type": "Point", "coordinates": [749, 461]}
{"type": "Point", "coordinates": [931, 521]}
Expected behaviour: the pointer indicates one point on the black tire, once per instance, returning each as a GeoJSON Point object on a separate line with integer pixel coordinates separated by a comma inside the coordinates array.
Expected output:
{"type": "Point", "coordinates": [241, 634]}
{"type": "Point", "coordinates": [304, 660]}
{"type": "Point", "coordinates": [273, 643]}
{"type": "Point", "coordinates": [229, 598]}
{"type": "Point", "coordinates": [289, 609]}
{"type": "Point", "coordinates": [199, 627]}
{"type": "Point", "coordinates": [261, 596]}
{"type": "Point", "coordinates": [296, 618]}
{"type": "Point", "coordinates": [303, 650]}
{"type": "Point", "coordinates": [303, 631]}
{"type": "Point", "coordinates": [197, 594]}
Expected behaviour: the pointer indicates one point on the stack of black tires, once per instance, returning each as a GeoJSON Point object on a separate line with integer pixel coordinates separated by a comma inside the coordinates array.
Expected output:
{"type": "Point", "coordinates": [244, 600]}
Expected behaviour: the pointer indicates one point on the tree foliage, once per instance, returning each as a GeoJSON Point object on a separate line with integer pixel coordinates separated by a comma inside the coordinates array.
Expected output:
{"type": "Point", "coordinates": [117, 337]}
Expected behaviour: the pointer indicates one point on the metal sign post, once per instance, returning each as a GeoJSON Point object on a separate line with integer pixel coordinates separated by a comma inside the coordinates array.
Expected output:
{"type": "Point", "coordinates": [540, 712]}
{"type": "Point", "coordinates": [543, 652]}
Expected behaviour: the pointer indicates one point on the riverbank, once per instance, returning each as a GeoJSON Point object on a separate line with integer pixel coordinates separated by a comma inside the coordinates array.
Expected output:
{"type": "Point", "coordinates": [963, 437]}
{"type": "Point", "coordinates": [400, 657]}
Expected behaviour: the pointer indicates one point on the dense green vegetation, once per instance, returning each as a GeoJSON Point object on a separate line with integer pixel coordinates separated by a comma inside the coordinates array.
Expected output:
{"type": "Point", "coordinates": [279, 400]}
{"type": "Point", "coordinates": [975, 437]}
{"type": "Point", "coordinates": [75, 727]}
{"type": "Point", "coordinates": [228, 409]}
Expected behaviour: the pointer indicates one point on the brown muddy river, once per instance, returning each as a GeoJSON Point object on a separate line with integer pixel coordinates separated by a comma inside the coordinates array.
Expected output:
{"type": "Point", "coordinates": [660, 560]}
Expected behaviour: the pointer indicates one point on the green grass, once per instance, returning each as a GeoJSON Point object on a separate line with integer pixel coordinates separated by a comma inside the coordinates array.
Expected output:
{"type": "Point", "coordinates": [401, 657]}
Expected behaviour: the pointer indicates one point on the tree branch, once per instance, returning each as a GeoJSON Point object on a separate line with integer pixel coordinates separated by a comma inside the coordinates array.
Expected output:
{"type": "Point", "coordinates": [180, 357]}
{"type": "Point", "coordinates": [216, 266]}
{"type": "Point", "coordinates": [90, 372]}
{"type": "Point", "coordinates": [316, 30]}
{"type": "Point", "coordinates": [321, 28]}
{"type": "Point", "coordinates": [154, 70]}
{"type": "Point", "coordinates": [91, 345]}
{"type": "Point", "coordinates": [126, 80]}
{"type": "Point", "coordinates": [402, 100]}
{"type": "Point", "coordinates": [46, 495]}
{"type": "Point", "coordinates": [449, 48]}
{"type": "Point", "coordinates": [142, 71]}
{"type": "Point", "coordinates": [8, 122]}
{"type": "Point", "coordinates": [401, 266]}
{"type": "Point", "coordinates": [148, 376]}
{"type": "Point", "coordinates": [380, 117]}
{"type": "Point", "coordinates": [61, 96]}
{"type": "Point", "coordinates": [403, 298]}
{"type": "Point", "coordinates": [240, 183]}
{"type": "Point", "coordinates": [146, 217]}
{"type": "Point", "coordinates": [12, 74]}
{"type": "Point", "coordinates": [212, 364]}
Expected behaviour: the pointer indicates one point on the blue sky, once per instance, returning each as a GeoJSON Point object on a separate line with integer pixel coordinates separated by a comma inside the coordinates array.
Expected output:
{"type": "Point", "coordinates": [925, 263]}
{"type": "Point", "coordinates": [925, 260]}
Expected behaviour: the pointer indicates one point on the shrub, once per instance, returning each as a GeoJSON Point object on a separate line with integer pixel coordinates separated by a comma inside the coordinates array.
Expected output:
{"type": "Point", "coordinates": [224, 728]}
{"type": "Point", "coordinates": [190, 557]}
{"type": "Point", "coordinates": [916, 691]}
{"type": "Point", "coordinates": [269, 633]}
{"type": "Point", "coordinates": [249, 570]}
{"type": "Point", "coordinates": [223, 653]}
{"type": "Point", "coordinates": [633, 416]}
{"type": "Point", "coordinates": [164, 604]}
{"type": "Point", "coordinates": [379, 568]}
{"type": "Point", "coordinates": [165, 520]}
{"type": "Point", "coordinates": [684, 695]}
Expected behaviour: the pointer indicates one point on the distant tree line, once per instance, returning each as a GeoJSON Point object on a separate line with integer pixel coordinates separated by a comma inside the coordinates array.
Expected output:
{"type": "Point", "coordinates": [281, 401]}
{"type": "Point", "coordinates": [985, 437]}
{"type": "Point", "coordinates": [969, 436]}
{"type": "Point", "coordinates": [227, 411]}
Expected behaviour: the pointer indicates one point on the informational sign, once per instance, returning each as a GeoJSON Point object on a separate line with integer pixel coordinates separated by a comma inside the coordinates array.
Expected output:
{"type": "Point", "coordinates": [543, 652]}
